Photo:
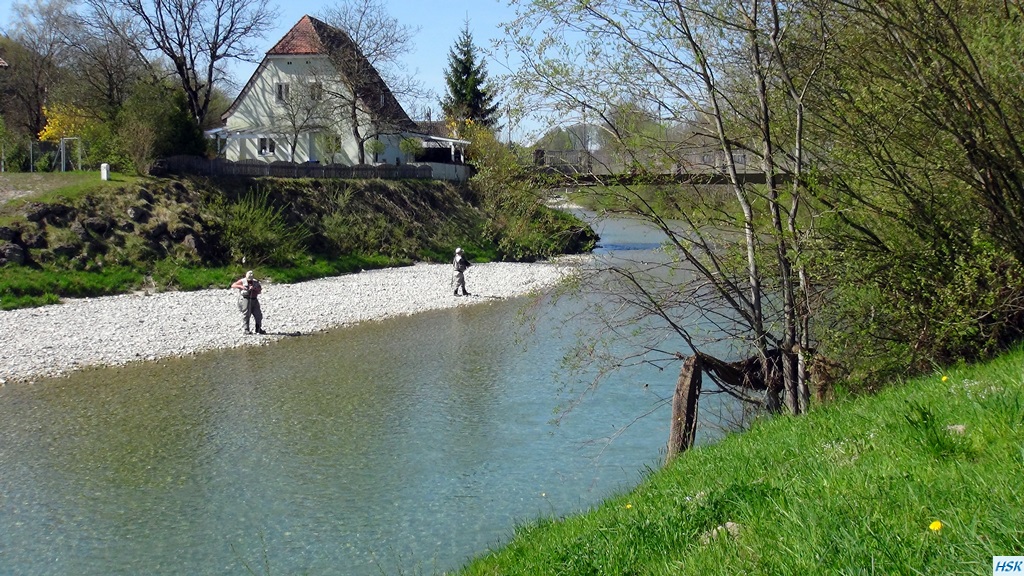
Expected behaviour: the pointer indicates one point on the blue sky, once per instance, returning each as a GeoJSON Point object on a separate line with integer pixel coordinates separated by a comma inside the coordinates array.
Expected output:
{"type": "Point", "coordinates": [439, 23]}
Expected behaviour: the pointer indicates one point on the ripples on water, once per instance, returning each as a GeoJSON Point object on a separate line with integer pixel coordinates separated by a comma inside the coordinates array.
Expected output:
{"type": "Point", "coordinates": [408, 446]}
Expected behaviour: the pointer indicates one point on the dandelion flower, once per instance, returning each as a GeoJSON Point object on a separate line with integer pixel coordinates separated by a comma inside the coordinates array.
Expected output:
{"type": "Point", "coordinates": [945, 378]}
{"type": "Point", "coordinates": [628, 506]}
{"type": "Point", "coordinates": [935, 526]}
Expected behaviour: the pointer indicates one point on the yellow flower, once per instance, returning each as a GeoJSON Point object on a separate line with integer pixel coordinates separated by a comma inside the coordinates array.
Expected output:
{"type": "Point", "coordinates": [935, 526]}
{"type": "Point", "coordinates": [944, 378]}
{"type": "Point", "coordinates": [628, 506]}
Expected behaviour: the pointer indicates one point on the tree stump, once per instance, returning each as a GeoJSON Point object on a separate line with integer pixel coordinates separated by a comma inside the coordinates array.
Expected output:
{"type": "Point", "coordinates": [685, 402]}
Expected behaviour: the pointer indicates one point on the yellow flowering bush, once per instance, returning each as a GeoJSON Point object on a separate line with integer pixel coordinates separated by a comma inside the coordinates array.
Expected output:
{"type": "Point", "coordinates": [62, 121]}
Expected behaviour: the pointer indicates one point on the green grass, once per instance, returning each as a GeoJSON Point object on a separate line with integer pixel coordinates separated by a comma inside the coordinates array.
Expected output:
{"type": "Point", "coordinates": [53, 187]}
{"type": "Point", "coordinates": [131, 264]}
{"type": "Point", "coordinates": [23, 287]}
{"type": "Point", "coordinates": [852, 488]}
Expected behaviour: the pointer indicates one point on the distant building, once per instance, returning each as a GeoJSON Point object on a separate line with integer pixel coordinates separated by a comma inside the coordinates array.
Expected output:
{"type": "Point", "coordinates": [291, 108]}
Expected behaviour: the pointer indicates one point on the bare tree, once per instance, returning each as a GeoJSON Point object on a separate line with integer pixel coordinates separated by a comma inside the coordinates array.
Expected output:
{"type": "Point", "coordinates": [367, 58]}
{"type": "Point", "coordinates": [197, 37]}
{"type": "Point", "coordinates": [306, 109]}
{"type": "Point", "coordinates": [106, 64]}
{"type": "Point", "coordinates": [37, 55]}
{"type": "Point", "coordinates": [726, 279]}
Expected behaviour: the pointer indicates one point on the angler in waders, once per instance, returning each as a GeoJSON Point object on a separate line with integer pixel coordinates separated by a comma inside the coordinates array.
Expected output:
{"type": "Point", "coordinates": [460, 263]}
{"type": "Point", "coordinates": [249, 303]}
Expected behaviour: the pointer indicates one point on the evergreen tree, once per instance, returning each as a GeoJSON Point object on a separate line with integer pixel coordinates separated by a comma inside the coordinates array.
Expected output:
{"type": "Point", "coordinates": [468, 96]}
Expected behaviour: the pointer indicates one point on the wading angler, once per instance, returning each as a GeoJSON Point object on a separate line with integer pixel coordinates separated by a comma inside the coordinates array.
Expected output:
{"type": "Point", "coordinates": [248, 302]}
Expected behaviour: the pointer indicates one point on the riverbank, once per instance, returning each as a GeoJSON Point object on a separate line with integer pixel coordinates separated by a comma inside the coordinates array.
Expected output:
{"type": "Point", "coordinates": [922, 478]}
{"type": "Point", "coordinates": [109, 331]}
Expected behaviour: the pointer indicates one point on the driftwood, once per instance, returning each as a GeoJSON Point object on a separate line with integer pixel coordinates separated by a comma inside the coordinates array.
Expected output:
{"type": "Point", "coordinates": [747, 374]}
{"type": "Point", "coordinates": [685, 402]}
{"type": "Point", "coordinates": [736, 378]}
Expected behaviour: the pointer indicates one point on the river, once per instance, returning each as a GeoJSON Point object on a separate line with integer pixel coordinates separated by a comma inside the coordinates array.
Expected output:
{"type": "Point", "coordinates": [404, 446]}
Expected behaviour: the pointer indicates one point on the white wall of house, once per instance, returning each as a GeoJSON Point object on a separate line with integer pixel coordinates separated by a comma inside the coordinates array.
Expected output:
{"type": "Point", "coordinates": [453, 172]}
{"type": "Point", "coordinates": [260, 127]}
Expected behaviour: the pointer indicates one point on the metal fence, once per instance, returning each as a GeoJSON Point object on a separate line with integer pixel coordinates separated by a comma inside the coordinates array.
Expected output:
{"type": "Point", "coordinates": [254, 168]}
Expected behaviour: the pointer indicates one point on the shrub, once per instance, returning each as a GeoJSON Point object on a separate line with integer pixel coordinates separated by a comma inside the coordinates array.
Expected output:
{"type": "Point", "coordinates": [257, 233]}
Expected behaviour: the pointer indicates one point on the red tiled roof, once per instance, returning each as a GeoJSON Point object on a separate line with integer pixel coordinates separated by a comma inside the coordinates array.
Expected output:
{"type": "Point", "coordinates": [310, 36]}
{"type": "Point", "coordinates": [301, 39]}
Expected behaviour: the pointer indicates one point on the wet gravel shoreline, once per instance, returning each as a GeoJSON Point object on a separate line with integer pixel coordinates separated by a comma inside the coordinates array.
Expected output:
{"type": "Point", "coordinates": [115, 330]}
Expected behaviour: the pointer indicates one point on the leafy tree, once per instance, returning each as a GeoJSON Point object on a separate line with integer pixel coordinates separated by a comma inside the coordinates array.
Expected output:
{"type": "Point", "coordinates": [155, 122]}
{"type": "Point", "coordinates": [139, 137]}
{"type": "Point", "coordinates": [105, 146]}
{"type": "Point", "coordinates": [628, 128]}
{"type": "Point", "coordinates": [65, 121]}
{"type": "Point", "coordinates": [330, 145]}
{"type": "Point", "coordinates": [411, 148]}
{"type": "Point", "coordinates": [468, 95]}
{"type": "Point", "coordinates": [7, 148]}
{"type": "Point", "coordinates": [557, 138]}
{"type": "Point", "coordinates": [924, 192]}
{"type": "Point", "coordinates": [886, 234]}
{"type": "Point", "coordinates": [524, 227]}
{"type": "Point", "coordinates": [62, 121]}
{"type": "Point", "coordinates": [375, 147]}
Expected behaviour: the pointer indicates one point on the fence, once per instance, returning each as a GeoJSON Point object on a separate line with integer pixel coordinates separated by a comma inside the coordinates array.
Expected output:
{"type": "Point", "coordinates": [255, 168]}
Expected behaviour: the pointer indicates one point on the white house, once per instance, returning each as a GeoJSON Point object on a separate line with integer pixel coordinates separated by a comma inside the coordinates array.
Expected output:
{"type": "Point", "coordinates": [299, 106]}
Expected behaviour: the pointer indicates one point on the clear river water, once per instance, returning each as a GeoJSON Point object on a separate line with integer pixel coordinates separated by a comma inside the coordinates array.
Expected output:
{"type": "Point", "coordinates": [406, 446]}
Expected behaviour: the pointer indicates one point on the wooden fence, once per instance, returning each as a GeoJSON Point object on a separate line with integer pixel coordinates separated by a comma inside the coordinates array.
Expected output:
{"type": "Point", "coordinates": [254, 168]}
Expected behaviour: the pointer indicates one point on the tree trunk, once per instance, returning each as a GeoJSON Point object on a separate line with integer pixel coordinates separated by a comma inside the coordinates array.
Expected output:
{"type": "Point", "coordinates": [684, 407]}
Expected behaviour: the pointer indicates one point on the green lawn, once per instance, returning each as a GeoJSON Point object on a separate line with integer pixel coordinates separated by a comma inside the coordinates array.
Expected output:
{"type": "Point", "coordinates": [18, 187]}
{"type": "Point", "coordinates": [924, 478]}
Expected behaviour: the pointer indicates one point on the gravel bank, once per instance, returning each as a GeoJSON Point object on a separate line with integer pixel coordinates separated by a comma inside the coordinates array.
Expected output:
{"type": "Point", "coordinates": [56, 340]}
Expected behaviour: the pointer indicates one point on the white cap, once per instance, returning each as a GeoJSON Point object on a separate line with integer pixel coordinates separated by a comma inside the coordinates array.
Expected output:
{"type": "Point", "coordinates": [458, 250]}
{"type": "Point", "coordinates": [248, 274]}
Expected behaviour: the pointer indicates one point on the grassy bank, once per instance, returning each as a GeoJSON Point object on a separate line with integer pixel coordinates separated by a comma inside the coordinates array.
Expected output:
{"type": "Point", "coordinates": [924, 478]}
{"type": "Point", "coordinates": [64, 236]}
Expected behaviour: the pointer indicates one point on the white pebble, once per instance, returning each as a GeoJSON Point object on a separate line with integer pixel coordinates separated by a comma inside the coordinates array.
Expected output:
{"type": "Point", "coordinates": [58, 339]}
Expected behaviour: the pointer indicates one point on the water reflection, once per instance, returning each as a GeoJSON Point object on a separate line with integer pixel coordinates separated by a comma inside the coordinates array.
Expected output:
{"type": "Point", "coordinates": [402, 446]}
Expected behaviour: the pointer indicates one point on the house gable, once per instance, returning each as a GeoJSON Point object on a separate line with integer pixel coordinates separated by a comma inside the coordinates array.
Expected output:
{"type": "Point", "coordinates": [312, 37]}
{"type": "Point", "coordinates": [350, 61]}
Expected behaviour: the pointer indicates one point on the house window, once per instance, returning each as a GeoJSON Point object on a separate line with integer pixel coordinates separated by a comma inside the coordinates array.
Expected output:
{"type": "Point", "coordinates": [267, 146]}
{"type": "Point", "coordinates": [282, 92]}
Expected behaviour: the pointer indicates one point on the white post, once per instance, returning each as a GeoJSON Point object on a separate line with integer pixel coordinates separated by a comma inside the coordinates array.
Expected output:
{"type": "Point", "coordinates": [104, 171]}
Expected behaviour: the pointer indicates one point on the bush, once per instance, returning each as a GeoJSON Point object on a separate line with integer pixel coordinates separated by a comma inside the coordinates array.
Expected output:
{"type": "Point", "coordinates": [257, 232]}
{"type": "Point", "coordinates": [44, 162]}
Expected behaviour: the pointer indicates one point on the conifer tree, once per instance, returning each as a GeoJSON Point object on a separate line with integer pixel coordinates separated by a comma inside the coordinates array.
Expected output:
{"type": "Point", "coordinates": [469, 97]}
